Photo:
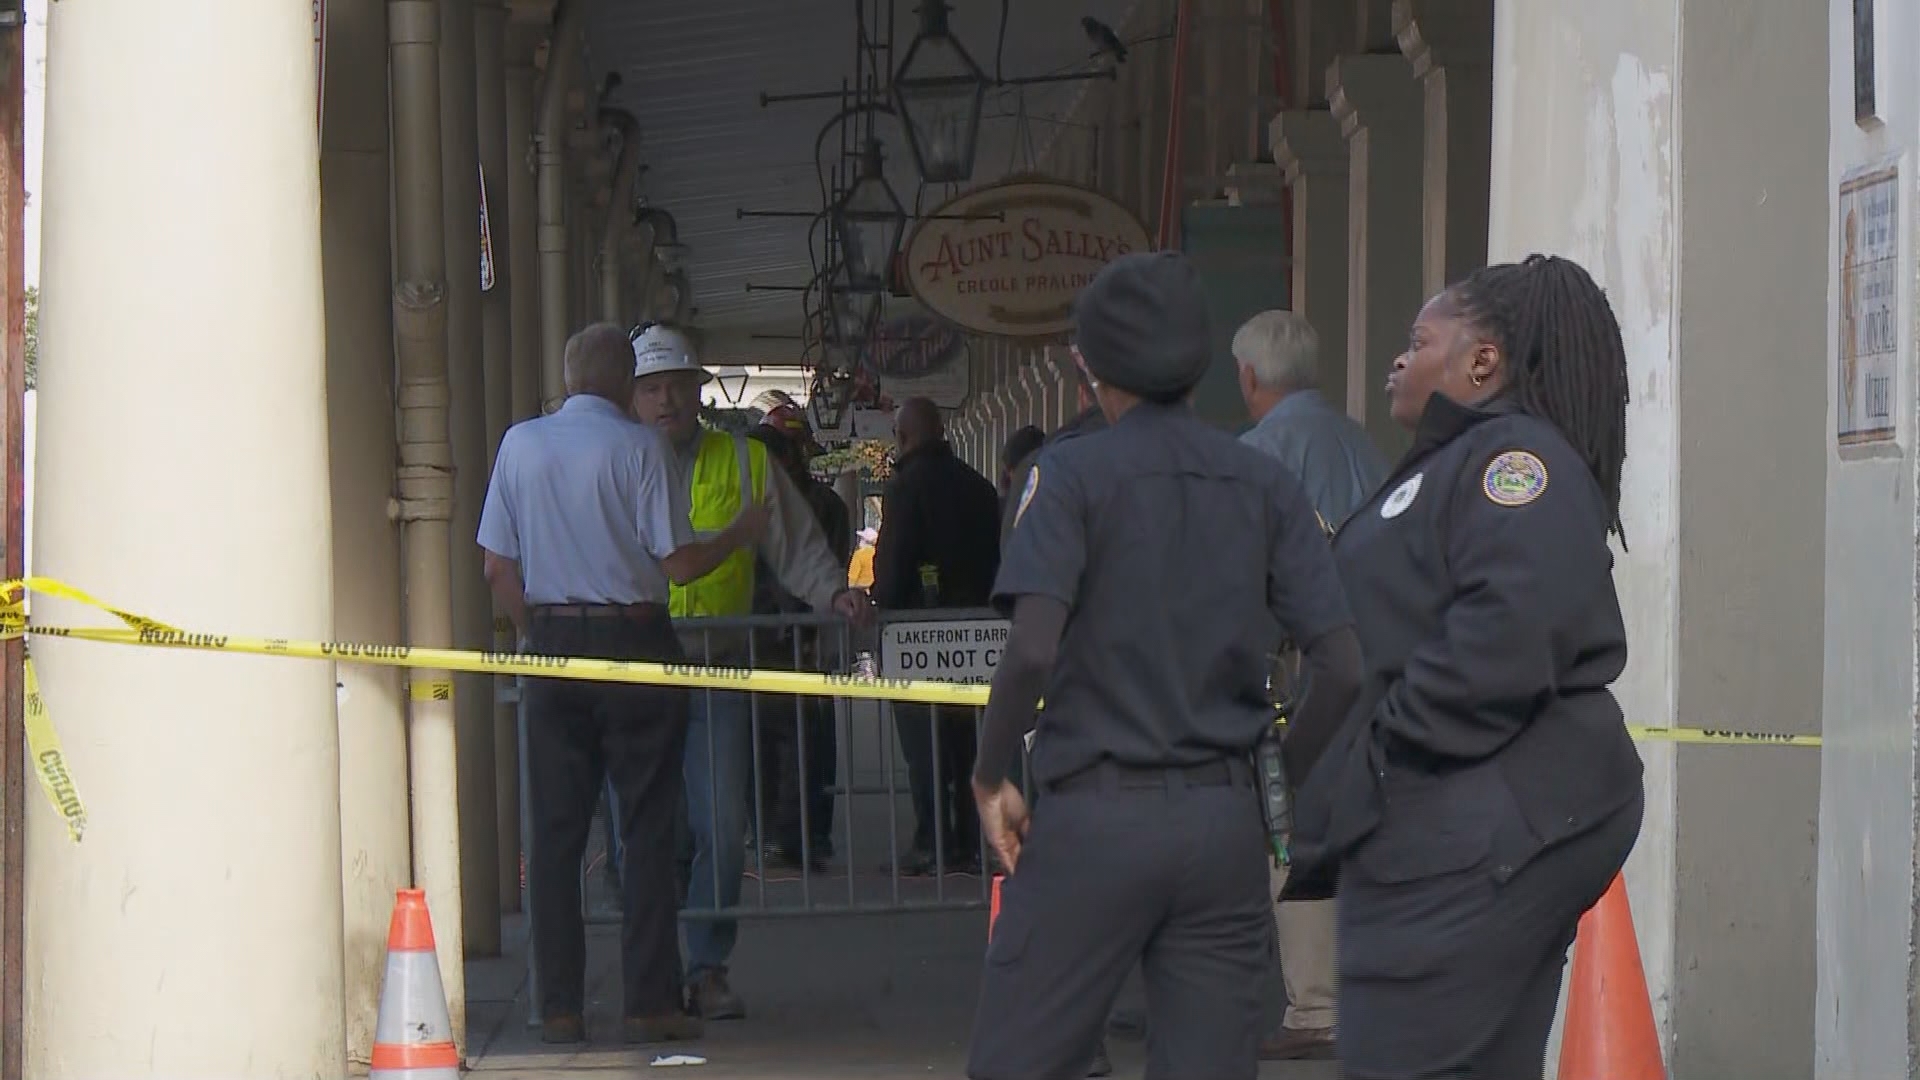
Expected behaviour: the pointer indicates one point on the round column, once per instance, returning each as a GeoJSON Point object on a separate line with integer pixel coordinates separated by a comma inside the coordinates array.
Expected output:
{"type": "Point", "coordinates": [356, 227]}
{"type": "Point", "coordinates": [183, 472]}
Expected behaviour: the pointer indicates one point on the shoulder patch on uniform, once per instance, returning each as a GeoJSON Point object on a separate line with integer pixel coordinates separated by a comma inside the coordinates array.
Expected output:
{"type": "Point", "coordinates": [1402, 497]}
{"type": "Point", "coordinates": [1514, 478]}
{"type": "Point", "coordinates": [1026, 495]}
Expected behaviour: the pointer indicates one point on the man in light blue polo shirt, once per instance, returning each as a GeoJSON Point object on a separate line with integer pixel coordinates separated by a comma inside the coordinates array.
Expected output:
{"type": "Point", "coordinates": [583, 529]}
{"type": "Point", "coordinates": [1278, 354]}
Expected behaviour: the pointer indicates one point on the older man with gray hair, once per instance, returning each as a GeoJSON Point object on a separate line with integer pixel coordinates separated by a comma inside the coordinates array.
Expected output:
{"type": "Point", "coordinates": [1278, 354]}
{"type": "Point", "coordinates": [584, 532]}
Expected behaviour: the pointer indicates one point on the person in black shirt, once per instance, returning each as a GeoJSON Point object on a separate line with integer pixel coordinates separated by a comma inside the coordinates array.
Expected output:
{"type": "Point", "coordinates": [792, 774]}
{"type": "Point", "coordinates": [939, 547]}
{"type": "Point", "coordinates": [1087, 421]}
{"type": "Point", "coordinates": [1018, 447]}
{"type": "Point", "coordinates": [1485, 791]}
{"type": "Point", "coordinates": [1153, 570]}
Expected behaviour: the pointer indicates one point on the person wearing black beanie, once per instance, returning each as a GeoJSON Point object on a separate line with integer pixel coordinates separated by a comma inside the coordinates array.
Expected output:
{"type": "Point", "coordinates": [1153, 569]}
{"type": "Point", "coordinates": [1141, 326]}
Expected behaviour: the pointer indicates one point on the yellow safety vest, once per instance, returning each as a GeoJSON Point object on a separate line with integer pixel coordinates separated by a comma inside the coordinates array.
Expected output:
{"type": "Point", "coordinates": [724, 467]}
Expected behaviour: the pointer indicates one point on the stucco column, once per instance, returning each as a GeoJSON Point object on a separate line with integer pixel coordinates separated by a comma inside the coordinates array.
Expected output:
{"type": "Point", "coordinates": [1450, 44]}
{"type": "Point", "coordinates": [1308, 145]}
{"type": "Point", "coordinates": [1371, 22]}
{"type": "Point", "coordinates": [355, 241]}
{"type": "Point", "coordinates": [467, 430]}
{"type": "Point", "coordinates": [523, 232]}
{"type": "Point", "coordinates": [1691, 179]}
{"type": "Point", "coordinates": [1379, 106]}
{"type": "Point", "coordinates": [183, 473]}
{"type": "Point", "coordinates": [496, 341]}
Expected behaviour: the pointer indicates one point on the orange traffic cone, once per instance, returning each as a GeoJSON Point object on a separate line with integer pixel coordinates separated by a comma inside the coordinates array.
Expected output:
{"type": "Point", "coordinates": [1609, 1032]}
{"type": "Point", "coordinates": [993, 905]}
{"type": "Point", "coordinates": [413, 1039]}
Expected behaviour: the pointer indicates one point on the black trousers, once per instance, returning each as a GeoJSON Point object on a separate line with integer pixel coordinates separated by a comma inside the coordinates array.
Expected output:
{"type": "Point", "coordinates": [1447, 971]}
{"type": "Point", "coordinates": [941, 790]}
{"type": "Point", "coordinates": [791, 729]}
{"type": "Point", "coordinates": [1160, 868]}
{"type": "Point", "coordinates": [579, 733]}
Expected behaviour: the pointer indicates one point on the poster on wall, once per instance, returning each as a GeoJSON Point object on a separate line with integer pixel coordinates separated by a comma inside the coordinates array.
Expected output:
{"type": "Point", "coordinates": [1869, 269]}
{"type": "Point", "coordinates": [1008, 259]}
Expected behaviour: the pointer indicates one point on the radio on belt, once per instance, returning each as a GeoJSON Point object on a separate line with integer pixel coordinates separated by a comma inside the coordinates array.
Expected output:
{"type": "Point", "coordinates": [1273, 790]}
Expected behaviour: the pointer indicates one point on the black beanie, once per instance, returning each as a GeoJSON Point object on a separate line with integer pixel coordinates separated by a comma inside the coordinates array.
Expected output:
{"type": "Point", "coordinates": [1141, 325]}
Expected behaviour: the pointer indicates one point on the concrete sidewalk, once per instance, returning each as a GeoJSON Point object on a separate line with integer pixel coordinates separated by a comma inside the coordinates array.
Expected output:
{"type": "Point", "coordinates": [884, 997]}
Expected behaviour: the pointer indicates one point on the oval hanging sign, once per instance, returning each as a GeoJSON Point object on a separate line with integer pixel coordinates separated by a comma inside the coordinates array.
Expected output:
{"type": "Point", "coordinates": [1008, 259]}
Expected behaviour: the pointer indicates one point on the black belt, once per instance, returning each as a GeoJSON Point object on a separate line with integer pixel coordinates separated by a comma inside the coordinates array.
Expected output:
{"type": "Point", "coordinates": [1220, 772]}
{"type": "Point", "coordinates": [643, 612]}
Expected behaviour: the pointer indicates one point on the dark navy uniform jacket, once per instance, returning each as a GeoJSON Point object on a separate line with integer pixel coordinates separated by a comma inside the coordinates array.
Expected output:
{"type": "Point", "coordinates": [1182, 556]}
{"type": "Point", "coordinates": [1482, 591]}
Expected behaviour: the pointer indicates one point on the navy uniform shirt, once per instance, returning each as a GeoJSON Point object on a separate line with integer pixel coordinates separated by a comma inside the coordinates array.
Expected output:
{"type": "Point", "coordinates": [1182, 556]}
{"type": "Point", "coordinates": [1482, 593]}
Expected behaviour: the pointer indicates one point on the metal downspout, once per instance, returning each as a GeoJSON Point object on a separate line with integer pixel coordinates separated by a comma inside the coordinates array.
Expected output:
{"type": "Point", "coordinates": [550, 142]}
{"type": "Point", "coordinates": [626, 171]}
{"type": "Point", "coordinates": [425, 503]}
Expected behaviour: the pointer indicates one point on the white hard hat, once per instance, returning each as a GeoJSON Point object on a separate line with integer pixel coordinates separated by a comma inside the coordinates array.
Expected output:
{"type": "Point", "coordinates": [661, 348]}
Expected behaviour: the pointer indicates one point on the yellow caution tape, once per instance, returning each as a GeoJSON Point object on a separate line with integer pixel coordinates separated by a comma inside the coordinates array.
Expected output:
{"type": "Point", "coordinates": [432, 690]}
{"type": "Point", "coordinates": [50, 762]}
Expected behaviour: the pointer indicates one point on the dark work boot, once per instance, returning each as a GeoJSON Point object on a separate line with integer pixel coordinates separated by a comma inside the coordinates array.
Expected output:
{"type": "Point", "coordinates": [713, 999]}
{"type": "Point", "coordinates": [563, 1028]}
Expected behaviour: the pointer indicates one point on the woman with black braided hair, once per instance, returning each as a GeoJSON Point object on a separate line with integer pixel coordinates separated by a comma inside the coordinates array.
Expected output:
{"type": "Point", "coordinates": [1484, 791]}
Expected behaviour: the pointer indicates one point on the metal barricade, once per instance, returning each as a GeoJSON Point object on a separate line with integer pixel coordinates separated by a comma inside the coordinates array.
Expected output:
{"type": "Point", "coordinates": [772, 775]}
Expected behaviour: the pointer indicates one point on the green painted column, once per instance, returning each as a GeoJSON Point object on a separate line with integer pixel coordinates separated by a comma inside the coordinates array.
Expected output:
{"type": "Point", "coordinates": [1241, 252]}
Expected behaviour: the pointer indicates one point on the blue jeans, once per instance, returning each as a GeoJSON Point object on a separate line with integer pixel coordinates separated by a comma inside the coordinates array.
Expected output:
{"type": "Point", "coordinates": [719, 760]}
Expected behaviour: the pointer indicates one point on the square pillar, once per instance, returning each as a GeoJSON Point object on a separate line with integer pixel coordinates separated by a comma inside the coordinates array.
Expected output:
{"type": "Point", "coordinates": [1450, 44]}
{"type": "Point", "coordinates": [1308, 145]}
{"type": "Point", "coordinates": [1769, 579]}
{"type": "Point", "coordinates": [1381, 111]}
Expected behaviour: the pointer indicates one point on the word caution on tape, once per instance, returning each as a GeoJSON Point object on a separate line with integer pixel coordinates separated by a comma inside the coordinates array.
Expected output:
{"type": "Point", "coordinates": [432, 684]}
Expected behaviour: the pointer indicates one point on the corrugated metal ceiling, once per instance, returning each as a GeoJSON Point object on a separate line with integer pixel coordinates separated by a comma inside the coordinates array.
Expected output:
{"type": "Point", "coordinates": [692, 72]}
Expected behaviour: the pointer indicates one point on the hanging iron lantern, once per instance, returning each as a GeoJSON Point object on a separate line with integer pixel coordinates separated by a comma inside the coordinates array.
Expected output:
{"type": "Point", "coordinates": [940, 93]}
{"type": "Point", "coordinates": [869, 222]}
{"type": "Point", "coordinates": [828, 399]}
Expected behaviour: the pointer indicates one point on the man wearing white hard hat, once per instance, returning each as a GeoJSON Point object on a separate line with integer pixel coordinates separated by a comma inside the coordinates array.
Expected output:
{"type": "Point", "coordinates": [723, 473]}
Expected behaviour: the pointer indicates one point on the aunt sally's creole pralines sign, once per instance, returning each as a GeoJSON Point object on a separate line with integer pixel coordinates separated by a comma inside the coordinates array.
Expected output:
{"type": "Point", "coordinates": [1008, 259]}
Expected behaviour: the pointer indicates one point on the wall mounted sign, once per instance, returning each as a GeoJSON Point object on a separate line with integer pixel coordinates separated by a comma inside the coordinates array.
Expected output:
{"type": "Point", "coordinates": [1008, 259]}
{"type": "Point", "coordinates": [1868, 375]}
{"type": "Point", "coordinates": [486, 237]}
{"type": "Point", "coordinates": [918, 356]}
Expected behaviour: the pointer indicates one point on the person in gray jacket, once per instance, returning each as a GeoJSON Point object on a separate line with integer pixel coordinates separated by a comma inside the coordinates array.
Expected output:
{"type": "Point", "coordinates": [1278, 354]}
